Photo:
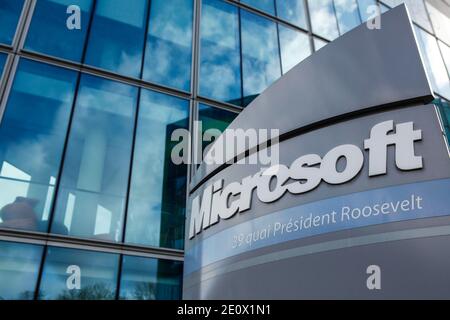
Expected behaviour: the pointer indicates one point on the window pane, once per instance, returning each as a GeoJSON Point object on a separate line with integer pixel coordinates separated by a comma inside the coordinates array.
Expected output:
{"type": "Point", "coordinates": [323, 19]}
{"type": "Point", "coordinates": [19, 267]}
{"type": "Point", "coordinates": [156, 209]}
{"type": "Point", "coordinates": [292, 11]}
{"type": "Point", "coordinates": [367, 9]}
{"type": "Point", "coordinates": [169, 43]}
{"type": "Point", "coordinates": [2, 63]}
{"type": "Point", "coordinates": [213, 118]}
{"type": "Point", "coordinates": [294, 47]}
{"type": "Point", "coordinates": [48, 31]}
{"type": "Point", "coordinates": [98, 275]}
{"type": "Point", "coordinates": [264, 5]}
{"type": "Point", "coordinates": [441, 23]}
{"type": "Point", "coordinates": [117, 35]}
{"type": "Point", "coordinates": [433, 62]}
{"type": "Point", "coordinates": [220, 68]}
{"type": "Point", "coordinates": [445, 50]}
{"type": "Point", "coordinates": [416, 9]}
{"type": "Point", "coordinates": [94, 182]}
{"type": "Point", "coordinates": [319, 44]}
{"type": "Point", "coordinates": [444, 110]}
{"type": "Point", "coordinates": [10, 11]}
{"type": "Point", "coordinates": [260, 55]}
{"type": "Point", "coordinates": [150, 279]}
{"type": "Point", "coordinates": [383, 8]}
{"type": "Point", "coordinates": [32, 135]}
{"type": "Point", "coordinates": [347, 14]}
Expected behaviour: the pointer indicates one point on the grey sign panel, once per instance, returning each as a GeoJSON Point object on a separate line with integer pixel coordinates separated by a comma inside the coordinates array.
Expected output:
{"type": "Point", "coordinates": [318, 243]}
{"type": "Point", "coordinates": [364, 69]}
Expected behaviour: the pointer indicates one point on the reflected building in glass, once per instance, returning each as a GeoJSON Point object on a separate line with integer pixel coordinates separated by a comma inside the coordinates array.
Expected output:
{"type": "Point", "coordinates": [88, 111]}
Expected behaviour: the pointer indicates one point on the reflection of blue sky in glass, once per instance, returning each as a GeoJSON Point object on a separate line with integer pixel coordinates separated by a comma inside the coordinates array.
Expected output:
{"type": "Point", "coordinates": [294, 47]}
{"type": "Point", "coordinates": [19, 267]}
{"type": "Point", "coordinates": [48, 33]}
{"type": "Point", "coordinates": [365, 8]}
{"type": "Point", "coordinates": [347, 14]}
{"type": "Point", "coordinates": [264, 5]}
{"type": "Point", "coordinates": [220, 69]}
{"type": "Point", "coordinates": [150, 279]}
{"type": "Point", "coordinates": [32, 135]}
{"type": "Point", "coordinates": [93, 186]}
{"type": "Point", "coordinates": [117, 33]}
{"type": "Point", "coordinates": [323, 19]}
{"type": "Point", "coordinates": [10, 11]}
{"type": "Point", "coordinates": [156, 209]}
{"type": "Point", "coordinates": [98, 275]}
{"type": "Point", "coordinates": [169, 43]}
{"type": "Point", "coordinates": [319, 44]}
{"type": "Point", "coordinates": [292, 11]}
{"type": "Point", "coordinates": [260, 55]}
{"type": "Point", "coordinates": [2, 63]}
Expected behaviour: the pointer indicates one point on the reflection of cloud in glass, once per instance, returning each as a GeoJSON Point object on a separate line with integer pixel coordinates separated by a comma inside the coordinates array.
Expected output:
{"type": "Point", "coordinates": [159, 116]}
{"type": "Point", "coordinates": [434, 63]}
{"type": "Point", "coordinates": [32, 144]}
{"type": "Point", "coordinates": [168, 51]}
{"type": "Point", "coordinates": [220, 52]}
{"type": "Point", "coordinates": [18, 270]}
{"type": "Point", "coordinates": [261, 61]}
{"type": "Point", "coordinates": [347, 14]}
{"type": "Point", "coordinates": [294, 47]}
{"type": "Point", "coordinates": [441, 23]}
{"type": "Point", "coordinates": [323, 19]}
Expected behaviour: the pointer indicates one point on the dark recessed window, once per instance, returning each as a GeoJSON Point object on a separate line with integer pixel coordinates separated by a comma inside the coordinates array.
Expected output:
{"type": "Point", "coordinates": [213, 122]}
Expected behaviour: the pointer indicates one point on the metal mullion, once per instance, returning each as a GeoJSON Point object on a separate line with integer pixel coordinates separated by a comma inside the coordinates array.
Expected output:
{"type": "Point", "coordinates": [241, 61]}
{"type": "Point", "coordinates": [195, 63]}
{"type": "Point", "coordinates": [336, 17]}
{"type": "Point", "coordinates": [309, 26]}
{"type": "Point", "coordinates": [39, 238]}
{"type": "Point", "coordinates": [86, 69]}
{"type": "Point", "coordinates": [265, 15]}
{"type": "Point", "coordinates": [7, 82]}
{"type": "Point", "coordinates": [40, 272]}
{"type": "Point", "coordinates": [136, 122]}
{"type": "Point", "coordinates": [69, 126]}
{"type": "Point", "coordinates": [24, 25]}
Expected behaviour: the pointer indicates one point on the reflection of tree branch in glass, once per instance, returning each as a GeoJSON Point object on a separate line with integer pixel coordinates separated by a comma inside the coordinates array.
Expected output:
{"type": "Point", "coordinates": [20, 214]}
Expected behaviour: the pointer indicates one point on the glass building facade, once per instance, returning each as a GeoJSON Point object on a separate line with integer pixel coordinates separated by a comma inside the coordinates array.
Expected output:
{"type": "Point", "coordinates": [88, 109]}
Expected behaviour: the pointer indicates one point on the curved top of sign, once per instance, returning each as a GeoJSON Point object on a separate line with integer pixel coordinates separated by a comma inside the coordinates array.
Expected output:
{"type": "Point", "coordinates": [363, 70]}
